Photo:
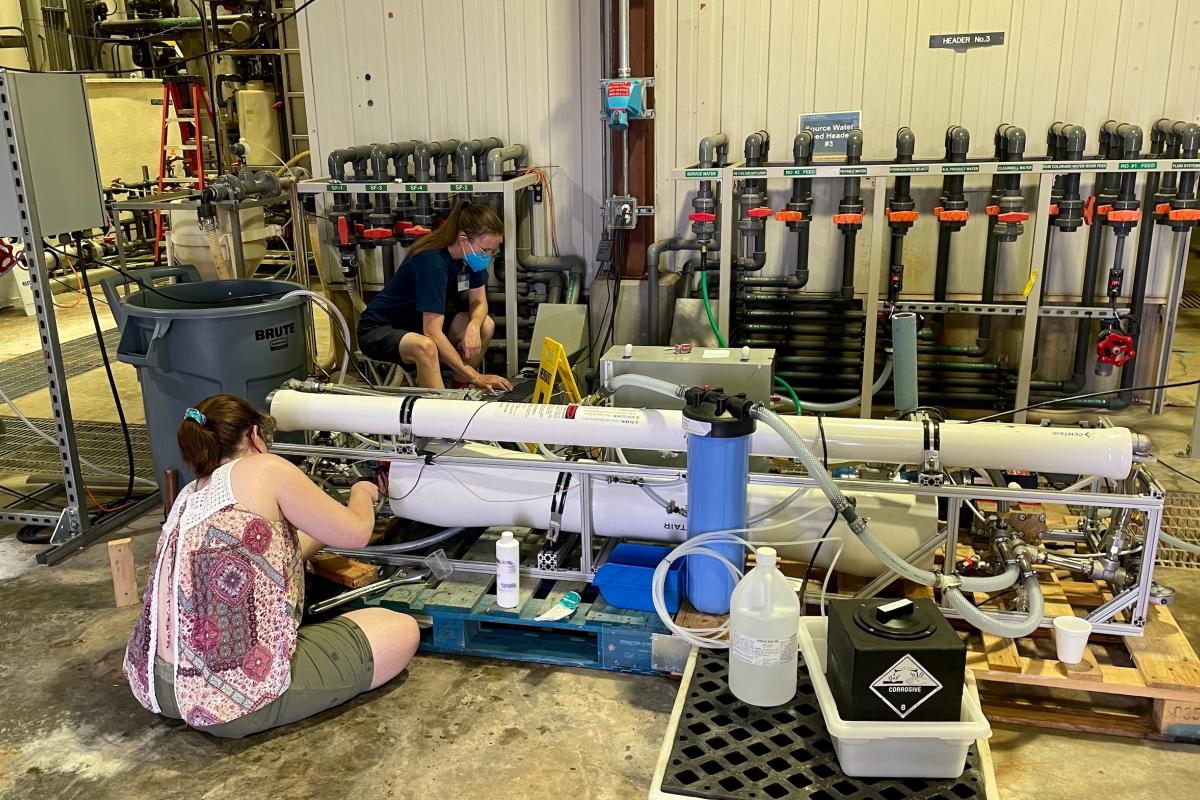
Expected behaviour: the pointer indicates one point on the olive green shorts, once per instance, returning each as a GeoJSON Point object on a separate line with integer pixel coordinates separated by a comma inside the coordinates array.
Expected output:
{"type": "Point", "coordinates": [332, 664]}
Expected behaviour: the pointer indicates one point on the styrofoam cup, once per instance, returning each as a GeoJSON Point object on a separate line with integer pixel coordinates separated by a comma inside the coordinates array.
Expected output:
{"type": "Point", "coordinates": [1070, 638]}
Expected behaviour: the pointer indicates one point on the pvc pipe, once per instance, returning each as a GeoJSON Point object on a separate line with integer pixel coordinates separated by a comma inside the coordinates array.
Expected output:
{"type": "Point", "coordinates": [623, 68]}
{"type": "Point", "coordinates": [498, 155]}
{"type": "Point", "coordinates": [1106, 452]}
{"type": "Point", "coordinates": [904, 358]}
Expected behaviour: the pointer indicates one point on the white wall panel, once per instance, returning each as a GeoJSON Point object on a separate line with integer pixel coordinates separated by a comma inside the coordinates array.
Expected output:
{"type": "Point", "coordinates": [526, 71]}
{"type": "Point", "coordinates": [739, 65]}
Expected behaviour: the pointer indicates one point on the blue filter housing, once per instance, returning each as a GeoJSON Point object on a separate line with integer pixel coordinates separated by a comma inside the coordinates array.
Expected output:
{"type": "Point", "coordinates": [718, 469]}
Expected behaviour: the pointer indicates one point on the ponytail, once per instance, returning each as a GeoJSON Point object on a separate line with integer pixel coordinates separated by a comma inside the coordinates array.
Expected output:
{"type": "Point", "coordinates": [473, 219]}
{"type": "Point", "coordinates": [214, 430]}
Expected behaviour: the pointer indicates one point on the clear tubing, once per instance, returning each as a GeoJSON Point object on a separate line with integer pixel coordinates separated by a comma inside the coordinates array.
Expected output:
{"type": "Point", "coordinates": [1000, 627]}
{"type": "Point", "coordinates": [28, 424]}
{"type": "Point", "coordinates": [1178, 543]}
{"type": "Point", "coordinates": [829, 408]}
{"type": "Point", "coordinates": [667, 388]}
{"type": "Point", "coordinates": [402, 547]}
{"type": "Point", "coordinates": [859, 526]}
{"type": "Point", "coordinates": [334, 315]}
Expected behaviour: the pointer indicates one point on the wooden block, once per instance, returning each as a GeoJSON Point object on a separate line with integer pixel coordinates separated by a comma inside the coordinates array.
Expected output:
{"type": "Point", "coordinates": [1002, 654]}
{"type": "Point", "coordinates": [120, 559]}
{"type": "Point", "coordinates": [344, 571]}
{"type": "Point", "coordinates": [1176, 718]}
{"type": "Point", "coordinates": [1163, 656]}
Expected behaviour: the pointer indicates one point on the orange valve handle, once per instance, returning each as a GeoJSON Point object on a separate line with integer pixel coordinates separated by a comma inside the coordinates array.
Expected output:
{"type": "Point", "coordinates": [761, 212]}
{"type": "Point", "coordinates": [1054, 209]}
{"type": "Point", "coordinates": [1162, 208]}
{"type": "Point", "coordinates": [702, 216]}
{"type": "Point", "coordinates": [1184, 214]}
{"type": "Point", "coordinates": [952, 215]}
{"type": "Point", "coordinates": [992, 211]}
{"type": "Point", "coordinates": [377, 233]}
{"type": "Point", "coordinates": [847, 219]}
{"type": "Point", "coordinates": [1128, 215]}
{"type": "Point", "coordinates": [1088, 208]}
{"type": "Point", "coordinates": [789, 216]}
{"type": "Point", "coordinates": [900, 216]}
{"type": "Point", "coordinates": [1012, 216]}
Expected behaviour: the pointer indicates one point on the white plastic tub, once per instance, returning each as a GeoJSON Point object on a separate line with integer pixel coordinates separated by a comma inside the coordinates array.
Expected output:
{"type": "Point", "coordinates": [891, 749]}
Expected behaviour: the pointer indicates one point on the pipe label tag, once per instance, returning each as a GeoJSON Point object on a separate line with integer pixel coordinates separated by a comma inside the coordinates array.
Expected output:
{"type": "Point", "coordinates": [749, 172]}
{"type": "Point", "coordinates": [462, 187]}
{"type": "Point", "coordinates": [1137, 165]}
{"type": "Point", "coordinates": [376, 187]}
{"type": "Point", "coordinates": [956, 169]}
{"type": "Point", "coordinates": [852, 171]}
{"type": "Point", "coordinates": [699, 173]}
{"type": "Point", "coordinates": [1014, 168]}
{"type": "Point", "coordinates": [913, 170]}
{"type": "Point", "coordinates": [416, 187]}
{"type": "Point", "coordinates": [905, 685]}
{"type": "Point", "coordinates": [1185, 165]}
{"type": "Point", "coordinates": [335, 187]}
{"type": "Point", "coordinates": [1076, 166]}
{"type": "Point", "coordinates": [792, 172]}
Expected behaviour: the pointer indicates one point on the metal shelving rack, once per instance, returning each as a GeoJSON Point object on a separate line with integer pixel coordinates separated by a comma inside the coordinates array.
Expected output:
{"type": "Point", "coordinates": [877, 174]}
{"type": "Point", "coordinates": [50, 142]}
{"type": "Point", "coordinates": [507, 189]}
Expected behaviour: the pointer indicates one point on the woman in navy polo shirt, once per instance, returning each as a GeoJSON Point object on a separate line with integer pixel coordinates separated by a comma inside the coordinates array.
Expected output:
{"type": "Point", "coordinates": [434, 312]}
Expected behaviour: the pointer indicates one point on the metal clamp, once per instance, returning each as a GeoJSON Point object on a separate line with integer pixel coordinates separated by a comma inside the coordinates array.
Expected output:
{"type": "Point", "coordinates": [931, 463]}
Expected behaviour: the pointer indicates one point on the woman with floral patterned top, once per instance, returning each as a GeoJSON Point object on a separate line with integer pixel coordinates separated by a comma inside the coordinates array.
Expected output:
{"type": "Point", "coordinates": [219, 642]}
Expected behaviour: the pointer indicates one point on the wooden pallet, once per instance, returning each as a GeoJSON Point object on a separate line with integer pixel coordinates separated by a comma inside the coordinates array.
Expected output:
{"type": "Point", "coordinates": [1141, 686]}
{"type": "Point", "coordinates": [462, 617]}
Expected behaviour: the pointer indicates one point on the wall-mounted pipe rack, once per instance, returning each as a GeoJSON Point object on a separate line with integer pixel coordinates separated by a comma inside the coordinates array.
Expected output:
{"type": "Point", "coordinates": [321, 188]}
{"type": "Point", "coordinates": [877, 174]}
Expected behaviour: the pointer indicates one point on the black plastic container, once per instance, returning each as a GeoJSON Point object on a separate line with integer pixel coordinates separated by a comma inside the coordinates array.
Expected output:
{"type": "Point", "coordinates": [895, 660]}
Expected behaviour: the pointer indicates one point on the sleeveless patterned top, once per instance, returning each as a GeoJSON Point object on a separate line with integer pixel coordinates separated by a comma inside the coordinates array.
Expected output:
{"type": "Point", "coordinates": [235, 604]}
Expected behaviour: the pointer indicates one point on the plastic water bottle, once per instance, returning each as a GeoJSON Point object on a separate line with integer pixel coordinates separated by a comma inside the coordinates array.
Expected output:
{"type": "Point", "coordinates": [764, 615]}
{"type": "Point", "coordinates": [508, 557]}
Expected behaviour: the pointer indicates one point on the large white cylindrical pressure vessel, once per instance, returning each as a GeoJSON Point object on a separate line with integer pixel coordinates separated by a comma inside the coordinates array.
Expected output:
{"type": "Point", "coordinates": [258, 124]}
{"type": "Point", "coordinates": [479, 496]}
{"type": "Point", "coordinates": [1104, 452]}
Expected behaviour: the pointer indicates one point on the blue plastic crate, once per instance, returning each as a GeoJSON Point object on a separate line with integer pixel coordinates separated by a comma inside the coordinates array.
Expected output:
{"type": "Point", "coordinates": [625, 579]}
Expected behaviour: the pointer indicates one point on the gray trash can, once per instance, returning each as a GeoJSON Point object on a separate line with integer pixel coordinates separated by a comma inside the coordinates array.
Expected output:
{"type": "Point", "coordinates": [193, 339]}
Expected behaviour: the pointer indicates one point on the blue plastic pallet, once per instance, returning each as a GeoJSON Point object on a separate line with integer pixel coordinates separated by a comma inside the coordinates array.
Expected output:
{"type": "Point", "coordinates": [465, 619]}
{"type": "Point", "coordinates": [596, 636]}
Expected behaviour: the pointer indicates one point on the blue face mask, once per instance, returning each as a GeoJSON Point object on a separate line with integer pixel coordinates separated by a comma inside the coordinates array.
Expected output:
{"type": "Point", "coordinates": [478, 262]}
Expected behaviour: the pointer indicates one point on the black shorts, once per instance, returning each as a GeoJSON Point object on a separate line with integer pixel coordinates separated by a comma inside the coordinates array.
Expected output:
{"type": "Point", "coordinates": [380, 342]}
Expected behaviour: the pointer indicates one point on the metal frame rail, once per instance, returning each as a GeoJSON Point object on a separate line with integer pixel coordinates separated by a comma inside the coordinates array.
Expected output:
{"type": "Point", "coordinates": [1124, 615]}
{"type": "Point", "coordinates": [877, 174]}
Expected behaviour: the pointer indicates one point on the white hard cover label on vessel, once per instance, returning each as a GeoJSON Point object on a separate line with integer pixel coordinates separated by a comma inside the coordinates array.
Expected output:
{"type": "Point", "coordinates": [763, 652]}
{"type": "Point", "coordinates": [905, 685]}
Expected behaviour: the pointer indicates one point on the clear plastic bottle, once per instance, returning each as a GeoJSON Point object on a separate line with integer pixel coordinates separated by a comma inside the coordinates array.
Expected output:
{"type": "Point", "coordinates": [508, 558]}
{"type": "Point", "coordinates": [764, 615]}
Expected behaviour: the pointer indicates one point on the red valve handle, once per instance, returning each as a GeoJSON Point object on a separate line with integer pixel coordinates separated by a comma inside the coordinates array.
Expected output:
{"type": "Point", "coordinates": [1012, 216]}
{"type": "Point", "coordinates": [8, 258]}
{"type": "Point", "coordinates": [403, 226]}
{"type": "Point", "coordinates": [343, 230]}
{"type": "Point", "coordinates": [759, 213]}
{"type": "Point", "coordinates": [1115, 348]}
{"type": "Point", "coordinates": [419, 230]}
{"type": "Point", "coordinates": [377, 233]}
{"type": "Point", "coordinates": [702, 216]}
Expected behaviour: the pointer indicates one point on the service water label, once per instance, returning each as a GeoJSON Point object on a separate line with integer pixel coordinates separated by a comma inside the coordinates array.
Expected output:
{"type": "Point", "coordinates": [699, 173]}
{"type": "Point", "coordinates": [763, 652]}
{"type": "Point", "coordinates": [905, 685]}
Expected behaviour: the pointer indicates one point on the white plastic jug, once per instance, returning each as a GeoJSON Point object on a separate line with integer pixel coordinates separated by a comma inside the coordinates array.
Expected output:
{"type": "Point", "coordinates": [764, 615]}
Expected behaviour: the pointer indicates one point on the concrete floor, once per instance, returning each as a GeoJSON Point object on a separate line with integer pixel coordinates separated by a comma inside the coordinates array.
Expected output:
{"type": "Point", "coordinates": [69, 727]}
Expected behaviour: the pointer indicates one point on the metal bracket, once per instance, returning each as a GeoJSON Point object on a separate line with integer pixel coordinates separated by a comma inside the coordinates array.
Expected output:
{"type": "Point", "coordinates": [668, 653]}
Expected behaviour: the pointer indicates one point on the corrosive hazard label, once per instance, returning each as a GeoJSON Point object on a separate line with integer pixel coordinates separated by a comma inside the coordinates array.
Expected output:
{"type": "Point", "coordinates": [905, 685]}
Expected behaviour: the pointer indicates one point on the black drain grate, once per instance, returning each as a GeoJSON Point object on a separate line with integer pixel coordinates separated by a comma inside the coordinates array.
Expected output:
{"type": "Point", "coordinates": [1190, 300]}
{"type": "Point", "coordinates": [27, 373]}
{"type": "Point", "coordinates": [24, 452]}
{"type": "Point", "coordinates": [1181, 518]}
{"type": "Point", "coordinates": [727, 750]}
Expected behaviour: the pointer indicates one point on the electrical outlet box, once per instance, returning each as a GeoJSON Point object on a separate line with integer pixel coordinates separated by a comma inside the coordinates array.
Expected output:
{"type": "Point", "coordinates": [620, 212]}
{"type": "Point", "coordinates": [700, 366]}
